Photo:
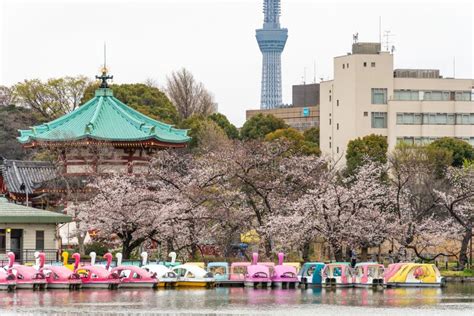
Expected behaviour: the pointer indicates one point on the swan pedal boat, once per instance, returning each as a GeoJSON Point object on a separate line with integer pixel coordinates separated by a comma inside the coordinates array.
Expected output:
{"type": "Point", "coordinates": [7, 280]}
{"type": "Point", "coordinates": [133, 276]}
{"type": "Point", "coordinates": [26, 277]}
{"type": "Point", "coordinates": [337, 274]}
{"type": "Point", "coordinates": [226, 276]}
{"type": "Point", "coordinates": [258, 274]}
{"type": "Point", "coordinates": [369, 274]}
{"type": "Point", "coordinates": [58, 277]}
{"type": "Point", "coordinates": [417, 275]}
{"type": "Point", "coordinates": [284, 276]}
{"type": "Point", "coordinates": [193, 276]}
{"type": "Point", "coordinates": [310, 274]}
{"type": "Point", "coordinates": [166, 277]}
{"type": "Point", "coordinates": [97, 276]}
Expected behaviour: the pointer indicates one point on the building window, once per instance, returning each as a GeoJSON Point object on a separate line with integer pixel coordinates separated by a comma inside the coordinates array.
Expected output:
{"type": "Point", "coordinates": [372, 64]}
{"type": "Point", "coordinates": [379, 96]}
{"type": "Point", "coordinates": [330, 144]}
{"type": "Point", "coordinates": [436, 95]}
{"type": "Point", "coordinates": [337, 149]}
{"type": "Point", "coordinates": [366, 113]}
{"type": "Point", "coordinates": [365, 64]}
{"type": "Point", "coordinates": [329, 98]}
{"type": "Point", "coordinates": [337, 102]}
{"type": "Point", "coordinates": [379, 119]}
{"type": "Point", "coordinates": [464, 118]}
{"type": "Point", "coordinates": [463, 96]}
{"type": "Point", "coordinates": [3, 241]}
{"type": "Point", "coordinates": [343, 66]}
{"type": "Point", "coordinates": [337, 126]}
{"type": "Point", "coordinates": [40, 240]}
{"type": "Point", "coordinates": [329, 121]}
{"type": "Point", "coordinates": [406, 95]}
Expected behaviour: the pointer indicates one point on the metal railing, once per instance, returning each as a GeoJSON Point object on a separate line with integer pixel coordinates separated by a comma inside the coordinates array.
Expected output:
{"type": "Point", "coordinates": [24, 256]}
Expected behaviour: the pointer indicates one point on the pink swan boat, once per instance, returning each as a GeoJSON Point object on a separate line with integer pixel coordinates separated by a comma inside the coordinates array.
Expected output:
{"type": "Point", "coordinates": [392, 269]}
{"type": "Point", "coordinates": [369, 274]}
{"type": "Point", "coordinates": [26, 277]}
{"type": "Point", "coordinates": [133, 276]}
{"type": "Point", "coordinates": [58, 277]}
{"type": "Point", "coordinates": [98, 277]}
{"type": "Point", "coordinates": [284, 276]}
{"type": "Point", "coordinates": [257, 274]}
{"type": "Point", "coordinates": [7, 278]}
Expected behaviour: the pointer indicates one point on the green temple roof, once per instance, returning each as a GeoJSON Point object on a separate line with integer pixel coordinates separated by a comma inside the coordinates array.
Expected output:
{"type": "Point", "coordinates": [14, 214]}
{"type": "Point", "coordinates": [104, 118]}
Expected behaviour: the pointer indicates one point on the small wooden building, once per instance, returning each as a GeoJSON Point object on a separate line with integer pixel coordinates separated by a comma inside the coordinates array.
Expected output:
{"type": "Point", "coordinates": [24, 230]}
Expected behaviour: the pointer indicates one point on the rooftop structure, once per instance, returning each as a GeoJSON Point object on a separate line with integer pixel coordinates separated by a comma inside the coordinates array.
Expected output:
{"type": "Point", "coordinates": [15, 213]}
{"type": "Point", "coordinates": [104, 118]}
{"type": "Point", "coordinates": [23, 177]}
{"type": "Point", "coordinates": [300, 118]}
{"type": "Point", "coordinates": [271, 40]}
{"type": "Point", "coordinates": [306, 95]}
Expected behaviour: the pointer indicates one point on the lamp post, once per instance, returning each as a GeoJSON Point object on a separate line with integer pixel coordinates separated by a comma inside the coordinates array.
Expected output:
{"type": "Point", "coordinates": [23, 188]}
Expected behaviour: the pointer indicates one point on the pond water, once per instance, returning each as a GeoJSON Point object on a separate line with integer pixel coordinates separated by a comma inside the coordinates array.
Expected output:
{"type": "Point", "coordinates": [455, 299]}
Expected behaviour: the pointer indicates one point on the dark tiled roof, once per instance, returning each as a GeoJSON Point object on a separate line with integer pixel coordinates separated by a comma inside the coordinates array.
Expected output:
{"type": "Point", "coordinates": [31, 173]}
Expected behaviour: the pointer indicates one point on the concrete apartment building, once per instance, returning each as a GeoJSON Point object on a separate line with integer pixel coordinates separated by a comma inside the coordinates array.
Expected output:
{"type": "Point", "coordinates": [303, 113]}
{"type": "Point", "coordinates": [367, 96]}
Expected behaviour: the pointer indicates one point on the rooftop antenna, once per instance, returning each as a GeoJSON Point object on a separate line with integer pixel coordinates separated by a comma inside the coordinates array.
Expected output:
{"type": "Point", "coordinates": [380, 30]}
{"type": "Point", "coordinates": [105, 56]}
{"type": "Point", "coordinates": [314, 72]}
{"type": "Point", "coordinates": [355, 37]}
{"type": "Point", "coordinates": [388, 41]}
{"type": "Point", "coordinates": [454, 67]}
{"type": "Point", "coordinates": [104, 76]}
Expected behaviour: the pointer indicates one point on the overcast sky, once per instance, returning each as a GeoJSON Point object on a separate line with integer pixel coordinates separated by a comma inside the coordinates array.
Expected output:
{"type": "Point", "coordinates": [215, 39]}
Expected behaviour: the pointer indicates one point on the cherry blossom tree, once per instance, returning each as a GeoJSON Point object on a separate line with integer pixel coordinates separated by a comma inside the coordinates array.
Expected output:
{"type": "Point", "coordinates": [346, 212]}
{"type": "Point", "coordinates": [421, 224]}
{"type": "Point", "coordinates": [458, 201]}
{"type": "Point", "coordinates": [128, 207]}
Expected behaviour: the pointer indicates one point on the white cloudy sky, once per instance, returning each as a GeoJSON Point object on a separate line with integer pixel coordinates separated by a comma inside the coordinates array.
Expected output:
{"type": "Point", "coordinates": [215, 39]}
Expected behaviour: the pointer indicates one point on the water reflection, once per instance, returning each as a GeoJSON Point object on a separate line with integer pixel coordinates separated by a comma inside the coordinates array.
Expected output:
{"type": "Point", "coordinates": [458, 297]}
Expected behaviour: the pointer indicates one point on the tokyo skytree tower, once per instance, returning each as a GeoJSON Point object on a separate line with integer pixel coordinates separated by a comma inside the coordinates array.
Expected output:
{"type": "Point", "coordinates": [271, 40]}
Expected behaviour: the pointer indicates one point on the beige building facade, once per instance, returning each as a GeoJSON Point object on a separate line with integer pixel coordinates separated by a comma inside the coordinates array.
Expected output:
{"type": "Point", "coordinates": [300, 118]}
{"type": "Point", "coordinates": [367, 96]}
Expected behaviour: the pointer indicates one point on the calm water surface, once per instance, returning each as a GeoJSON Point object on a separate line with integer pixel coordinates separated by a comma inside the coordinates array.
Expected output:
{"type": "Point", "coordinates": [456, 299]}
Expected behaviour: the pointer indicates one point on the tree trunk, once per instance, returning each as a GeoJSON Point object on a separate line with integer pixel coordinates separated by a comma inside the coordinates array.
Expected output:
{"type": "Point", "coordinates": [268, 248]}
{"type": "Point", "coordinates": [338, 253]}
{"type": "Point", "coordinates": [463, 258]}
{"type": "Point", "coordinates": [364, 253]}
{"type": "Point", "coordinates": [306, 250]}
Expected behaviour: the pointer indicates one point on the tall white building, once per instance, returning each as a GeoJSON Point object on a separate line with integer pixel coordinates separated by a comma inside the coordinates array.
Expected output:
{"type": "Point", "coordinates": [367, 96]}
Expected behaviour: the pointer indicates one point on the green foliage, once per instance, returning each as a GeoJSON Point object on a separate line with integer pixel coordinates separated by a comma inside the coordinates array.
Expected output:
{"type": "Point", "coordinates": [312, 135]}
{"type": "Point", "coordinates": [459, 149]}
{"type": "Point", "coordinates": [372, 147]}
{"type": "Point", "coordinates": [299, 145]}
{"type": "Point", "coordinates": [98, 247]}
{"type": "Point", "coordinates": [146, 99]}
{"type": "Point", "coordinates": [202, 131]}
{"type": "Point", "coordinates": [13, 118]}
{"type": "Point", "coordinates": [220, 119]}
{"type": "Point", "coordinates": [435, 159]}
{"type": "Point", "coordinates": [53, 98]}
{"type": "Point", "coordinates": [258, 126]}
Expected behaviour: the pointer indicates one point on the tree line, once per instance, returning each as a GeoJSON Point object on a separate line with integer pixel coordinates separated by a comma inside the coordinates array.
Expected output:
{"type": "Point", "coordinates": [190, 199]}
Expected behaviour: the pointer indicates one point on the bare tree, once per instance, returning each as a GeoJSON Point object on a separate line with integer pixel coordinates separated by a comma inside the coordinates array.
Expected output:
{"type": "Point", "coordinates": [188, 95]}
{"type": "Point", "coordinates": [7, 97]}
